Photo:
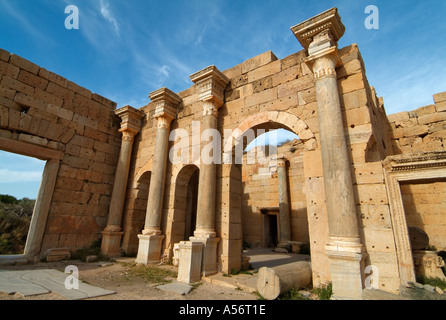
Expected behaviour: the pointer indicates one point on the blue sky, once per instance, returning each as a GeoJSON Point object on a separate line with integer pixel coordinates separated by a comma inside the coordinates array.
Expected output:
{"type": "Point", "coordinates": [125, 49]}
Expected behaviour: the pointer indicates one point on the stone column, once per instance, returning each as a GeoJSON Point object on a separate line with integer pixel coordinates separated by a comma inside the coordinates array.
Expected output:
{"type": "Point", "coordinates": [149, 250]}
{"type": "Point", "coordinates": [284, 205]}
{"type": "Point", "coordinates": [319, 35]}
{"type": "Point", "coordinates": [212, 84]}
{"type": "Point", "coordinates": [112, 234]}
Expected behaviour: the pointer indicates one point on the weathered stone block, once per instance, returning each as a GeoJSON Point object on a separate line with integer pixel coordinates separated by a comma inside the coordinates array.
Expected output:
{"type": "Point", "coordinates": [264, 71]}
{"type": "Point", "coordinates": [24, 64]}
{"type": "Point", "coordinates": [258, 61]}
{"type": "Point", "coordinates": [32, 80]}
{"type": "Point", "coordinates": [17, 85]}
{"type": "Point", "coordinates": [431, 118]}
{"type": "Point", "coordinates": [440, 97]}
{"type": "Point", "coordinates": [80, 90]}
{"type": "Point", "coordinates": [60, 91]}
{"type": "Point", "coordinates": [9, 70]}
{"type": "Point", "coordinates": [50, 76]}
{"type": "Point", "coordinates": [4, 55]}
{"type": "Point", "coordinates": [351, 83]}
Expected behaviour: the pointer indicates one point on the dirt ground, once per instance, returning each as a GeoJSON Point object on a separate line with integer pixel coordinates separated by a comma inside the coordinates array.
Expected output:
{"type": "Point", "coordinates": [121, 278]}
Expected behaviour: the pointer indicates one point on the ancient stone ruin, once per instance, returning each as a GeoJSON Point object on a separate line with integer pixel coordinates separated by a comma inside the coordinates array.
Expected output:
{"type": "Point", "coordinates": [349, 188]}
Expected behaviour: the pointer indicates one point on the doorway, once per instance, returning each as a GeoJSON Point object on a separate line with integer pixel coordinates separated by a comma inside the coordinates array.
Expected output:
{"type": "Point", "coordinates": [271, 230]}
{"type": "Point", "coordinates": [191, 205]}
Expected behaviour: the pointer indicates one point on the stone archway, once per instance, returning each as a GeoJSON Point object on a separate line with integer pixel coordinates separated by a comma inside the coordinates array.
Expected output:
{"type": "Point", "coordinates": [135, 209]}
{"type": "Point", "coordinates": [233, 179]}
{"type": "Point", "coordinates": [181, 224]}
{"type": "Point", "coordinates": [273, 120]}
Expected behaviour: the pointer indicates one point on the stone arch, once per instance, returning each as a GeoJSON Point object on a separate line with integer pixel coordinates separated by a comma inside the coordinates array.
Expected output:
{"type": "Point", "coordinates": [135, 209]}
{"type": "Point", "coordinates": [275, 119]}
{"type": "Point", "coordinates": [185, 191]}
{"type": "Point", "coordinates": [145, 168]}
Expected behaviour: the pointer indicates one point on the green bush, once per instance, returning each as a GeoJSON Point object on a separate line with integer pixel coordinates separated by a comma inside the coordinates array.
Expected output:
{"type": "Point", "coordinates": [7, 199]}
{"type": "Point", "coordinates": [324, 292]}
{"type": "Point", "coordinates": [15, 217]}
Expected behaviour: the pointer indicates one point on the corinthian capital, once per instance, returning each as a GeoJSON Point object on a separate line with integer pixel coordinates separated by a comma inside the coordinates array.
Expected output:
{"type": "Point", "coordinates": [320, 32]}
{"type": "Point", "coordinates": [166, 106]}
{"type": "Point", "coordinates": [212, 84]}
{"type": "Point", "coordinates": [131, 119]}
{"type": "Point", "coordinates": [319, 36]}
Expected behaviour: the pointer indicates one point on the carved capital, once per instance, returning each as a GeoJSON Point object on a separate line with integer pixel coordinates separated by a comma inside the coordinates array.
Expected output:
{"type": "Point", "coordinates": [324, 64]}
{"type": "Point", "coordinates": [131, 119]}
{"type": "Point", "coordinates": [320, 32]}
{"type": "Point", "coordinates": [163, 120]}
{"type": "Point", "coordinates": [212, 84]}
{"type": "Point", "coordinates": [166, 106]}
{"type": "Point", "coordinates": [210, 109]}
{"type": "Point", "coordinates": [128, 135]}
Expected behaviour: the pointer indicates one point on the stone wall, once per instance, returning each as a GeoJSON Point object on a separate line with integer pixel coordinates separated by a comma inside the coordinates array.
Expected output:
{"type": "Point", "coordinates": [425, 205]}
{"type": "Point", "coordinates": [421, 130]}
{"type": "Point", "coordinates": [44, 110]}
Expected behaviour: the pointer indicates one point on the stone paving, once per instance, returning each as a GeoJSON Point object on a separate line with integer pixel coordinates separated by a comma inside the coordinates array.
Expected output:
{"type": "Point", "coordinates": [37, 282]}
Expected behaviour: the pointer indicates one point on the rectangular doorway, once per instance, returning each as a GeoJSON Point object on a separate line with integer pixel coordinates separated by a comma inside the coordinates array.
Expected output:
{"type": "Point", "coordinates": [271, 230]}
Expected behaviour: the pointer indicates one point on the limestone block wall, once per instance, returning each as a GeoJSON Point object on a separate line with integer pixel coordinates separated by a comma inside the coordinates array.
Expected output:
{"type": "Point", "coordinates": [420, 130]}
{"type": "Point", "coordinates": [40, 109]}
{"type": "Point", "coordinates": [424, 206]}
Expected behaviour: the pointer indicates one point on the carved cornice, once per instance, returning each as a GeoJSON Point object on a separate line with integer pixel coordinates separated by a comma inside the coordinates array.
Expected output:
{"type": "Point", "coordinates": [211, 85]}
{"type": "Point", "coordinates": [307, 31]}
{"type": "Point", "coordinates": [423, 161]}
{"type": "Point", "coordinates": [131, 119]}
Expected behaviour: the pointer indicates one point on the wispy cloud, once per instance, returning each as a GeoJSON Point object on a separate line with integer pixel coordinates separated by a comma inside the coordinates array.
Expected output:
{"type": "Point", "coordinates": [106, 13]}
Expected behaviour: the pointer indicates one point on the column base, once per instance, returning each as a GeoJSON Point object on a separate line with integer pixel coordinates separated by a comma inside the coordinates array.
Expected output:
{"type": "Point", "coordinates": [209, 259]}
{"type": "Point", "coordinates": [190, 259]}
{"type": "Point", "coordinates": [346, 258]}
{"type": "Point", "coordinates": [111, 243]}
{"type": "Point", "coordinates": [149, 249]}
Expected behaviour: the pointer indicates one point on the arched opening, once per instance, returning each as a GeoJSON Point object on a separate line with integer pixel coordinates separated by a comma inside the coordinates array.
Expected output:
{"type": "Point", "coordinates": [185, 203]}
{"type": "Point", "coordinates": [191, 205]}
{"type": "Point", "coordinates": [135, 212]}
{"type": "Point", "coordinates": [265, 139]}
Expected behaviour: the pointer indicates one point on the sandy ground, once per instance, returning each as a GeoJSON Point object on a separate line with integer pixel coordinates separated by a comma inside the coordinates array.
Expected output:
{"type": "Point", "coordinates": [118, 277]}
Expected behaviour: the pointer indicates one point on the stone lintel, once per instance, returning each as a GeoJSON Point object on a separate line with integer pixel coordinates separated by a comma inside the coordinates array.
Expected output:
{"type": "Point", "coordinates": [131, 119]}
{"type": "Point", "coordinates": [329, 20]}
{"type": "Point", "coordinates": [167, 103]}
{"type": "Point", "coordinates": [212, 84]}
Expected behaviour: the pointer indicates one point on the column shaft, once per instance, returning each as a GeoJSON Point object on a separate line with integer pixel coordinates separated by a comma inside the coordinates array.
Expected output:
{"type": "Point", "coordinates": [206, 188]}
{"type": "Point", "coordinates": [284, 205]}
{"type": "Point", "coordinates": [157, 180]}
{"type": "Point", "coordinates": [130, 126]}
{"type": "Point", "coordinates": [150, 241]}
{"type": "Point", "coordinates": [339, 194]}
{"type": "Point", "coordinates": [120, 183]}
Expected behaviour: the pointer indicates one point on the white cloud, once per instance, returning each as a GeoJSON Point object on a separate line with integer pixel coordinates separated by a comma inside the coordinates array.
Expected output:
{"type": "Point", "coordinates": [105, 12]}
